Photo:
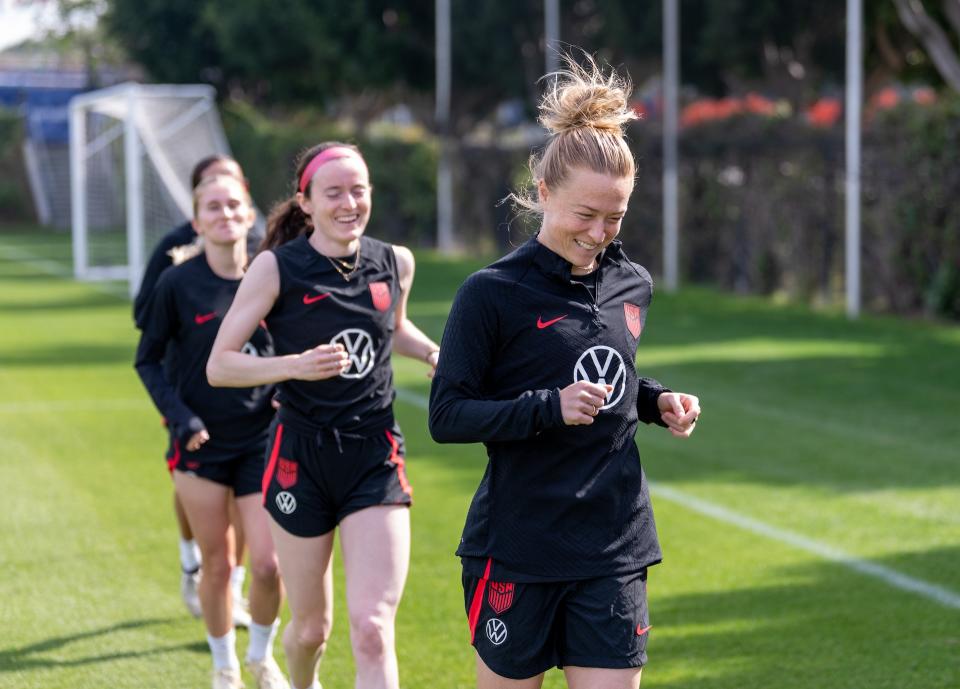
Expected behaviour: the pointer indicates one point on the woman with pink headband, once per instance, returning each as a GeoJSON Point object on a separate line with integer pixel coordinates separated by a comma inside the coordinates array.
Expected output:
{"type": "Point", "coordinates": [335, 303]}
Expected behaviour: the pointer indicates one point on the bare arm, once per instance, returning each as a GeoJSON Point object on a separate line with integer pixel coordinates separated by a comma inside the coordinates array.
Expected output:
{"type": "Point", "coordinates": [229, 367]}
{"type": "Point", "coordinates": [408, 339]}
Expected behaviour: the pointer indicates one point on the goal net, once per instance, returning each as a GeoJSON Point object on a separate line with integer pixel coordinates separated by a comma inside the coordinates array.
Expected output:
{"type": "Point", "coordinates": [132, 148]}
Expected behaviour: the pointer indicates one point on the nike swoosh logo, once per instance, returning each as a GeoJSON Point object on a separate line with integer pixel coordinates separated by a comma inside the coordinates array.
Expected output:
{"type": "Point", "coordinates": [541, 324]}
{"type": "Point", "coordinates": [643, 630]}
{"type": "Point", "coordinates": [307, 299]}
{"type": "Point", "coordinates": [200, 319]}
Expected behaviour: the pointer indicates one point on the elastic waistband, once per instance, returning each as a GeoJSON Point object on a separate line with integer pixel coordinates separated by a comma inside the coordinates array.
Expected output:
{"type": "Point", "coordinates": [299, 423]}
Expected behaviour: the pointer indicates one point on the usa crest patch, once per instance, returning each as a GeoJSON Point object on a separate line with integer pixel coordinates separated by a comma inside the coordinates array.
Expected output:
{"type": "Point", "coordinates": [286, 473]}
{"type": "Point", "coordinates": [380, 291]}
{"type": "Point", "coordinates": [500, 597]}
{"type": "Point", "coordinates": [632, 313]}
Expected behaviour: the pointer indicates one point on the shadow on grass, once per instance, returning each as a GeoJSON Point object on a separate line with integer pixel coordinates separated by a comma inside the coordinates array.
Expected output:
{"type": "Point", "coordinates": [31, 656]}
{"type": "Point", "coordinates": [828, 626]}
{"type": "Point", "coordinates": [85, 300]}
{"type": "Point", "coordinates": [71, 355]}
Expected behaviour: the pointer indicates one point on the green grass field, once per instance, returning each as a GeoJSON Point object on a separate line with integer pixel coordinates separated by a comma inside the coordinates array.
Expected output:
{"type": "Point", "coordinates": [811, 527]}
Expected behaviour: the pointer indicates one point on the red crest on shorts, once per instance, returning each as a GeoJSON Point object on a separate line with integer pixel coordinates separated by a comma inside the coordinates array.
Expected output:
{"type": "Point", "coordinates": [632, 313]}
{"type": "Point", "coordinates": [500, 596]}
{"type": "Point", "coordinates": [380, 291]}
{"type": "Point", "coordinates": [286, 473]}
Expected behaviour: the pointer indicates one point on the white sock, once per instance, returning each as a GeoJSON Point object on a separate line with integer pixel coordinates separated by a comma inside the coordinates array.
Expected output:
{"type": "Point", "coordinates": [261, 641]}
{"type": "Point", "coordinates": [237, 576]}
{"type": "Point", "coordinates": [189, 555]}
{"type": "Point", "coordinates": [224, 650]}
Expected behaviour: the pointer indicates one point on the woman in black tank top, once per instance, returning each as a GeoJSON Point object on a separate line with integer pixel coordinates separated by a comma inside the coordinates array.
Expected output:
{"type": "Point", "coordinates": [335, 304]}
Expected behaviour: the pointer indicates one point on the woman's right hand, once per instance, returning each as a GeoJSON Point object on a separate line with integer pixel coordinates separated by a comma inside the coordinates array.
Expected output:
{"type": "Point", "coordinates": [581, 402]}
{"type": "Point", "coordinates": [197, 440]}
{"type": "Point", "coordinates": [321, 362]}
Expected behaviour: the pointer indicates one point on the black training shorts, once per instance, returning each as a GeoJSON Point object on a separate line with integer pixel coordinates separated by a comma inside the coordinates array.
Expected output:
{"type": "Point", "coordinates": [522, 629]}
{"type": "Point", "coordinates": [314, 480]}
{"type": "Point", "coordinates": [241, 471]}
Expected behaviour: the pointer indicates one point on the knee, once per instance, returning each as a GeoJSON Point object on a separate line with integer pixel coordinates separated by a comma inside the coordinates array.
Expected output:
{"type": "Point", "coordinates": [371, 635]}
{"type": "Point", "coordinates": [310, 634]}
{"type": "Point", "coordinates": [264, 568]}
{"type": "Point", "coordinates": [216, 570]}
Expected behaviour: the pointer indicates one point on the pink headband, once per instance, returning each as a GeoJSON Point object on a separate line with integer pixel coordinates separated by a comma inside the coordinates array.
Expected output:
{"type": "Point", "coordinates": [325, 156]}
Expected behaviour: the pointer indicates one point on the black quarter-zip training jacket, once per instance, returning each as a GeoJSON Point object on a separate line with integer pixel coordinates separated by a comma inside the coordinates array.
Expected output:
{"type": "Point", "coordinates": [556, 502]}
{"type": "Point", "coordinates": [181, 320]}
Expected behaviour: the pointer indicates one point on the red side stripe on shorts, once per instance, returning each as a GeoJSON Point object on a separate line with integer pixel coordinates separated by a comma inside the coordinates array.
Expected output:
{"type": "Point", "coordinates": [172, 462]}
{"type": "Point", "coordinates": [272, 465]}
{"type": "Point", "coordinates": [397, 459]}
{"type": "Point", "coordinates": [477, 601]}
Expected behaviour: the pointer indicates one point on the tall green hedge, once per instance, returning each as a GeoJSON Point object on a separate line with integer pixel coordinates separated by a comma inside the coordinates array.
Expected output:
{"type": "Point", "coordinates": [763, 208]}
{"type": "Point", "coordinates": [15, 203]}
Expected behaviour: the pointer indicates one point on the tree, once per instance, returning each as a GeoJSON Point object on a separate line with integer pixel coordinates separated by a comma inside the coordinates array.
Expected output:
{"type": "Point", "coordinates": [931, 34]}
{"type": "Point", "coordinates": [364, 56]}
{"type": "Point", "coordinates": [284, 51]}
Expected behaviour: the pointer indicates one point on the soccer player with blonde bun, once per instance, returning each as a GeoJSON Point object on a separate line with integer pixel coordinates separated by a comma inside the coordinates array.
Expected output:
{"type": "Point", "coordinates": [537, 362]}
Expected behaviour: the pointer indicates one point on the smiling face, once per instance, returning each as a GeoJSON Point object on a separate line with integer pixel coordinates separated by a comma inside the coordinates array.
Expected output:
{"type": "Point", "coordinates": [582, 215]}
{"type": "Point", "coordinates": [223, 213]}
{"type": "Point", "coordinates": [338, 202]}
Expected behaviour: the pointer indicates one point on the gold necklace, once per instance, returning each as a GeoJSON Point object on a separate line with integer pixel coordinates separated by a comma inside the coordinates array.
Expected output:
{"type": "Point", "coordinates": [345, 269]}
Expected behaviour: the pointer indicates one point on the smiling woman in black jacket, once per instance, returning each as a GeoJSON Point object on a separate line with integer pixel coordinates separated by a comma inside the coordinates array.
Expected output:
{"type": "Point", "coordinates": [537, 362]}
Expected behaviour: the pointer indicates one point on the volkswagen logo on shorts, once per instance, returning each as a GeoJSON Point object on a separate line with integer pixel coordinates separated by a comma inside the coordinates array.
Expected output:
{"type": "Point", "coordinates": [286, 503]}
{"type": "Point", "coordinates": [604, 366]}
{"type": "Point", "coordinates": [359, 346]}
{"type": "Point", "coordinates": [496, 631]}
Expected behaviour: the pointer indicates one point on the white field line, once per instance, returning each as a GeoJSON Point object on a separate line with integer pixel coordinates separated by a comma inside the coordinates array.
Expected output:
{"type": "Point", "coordinates": [891, 577]}
{"type": "Point", "coordinates": [41, 265]}
{"type": "Point", "coordinates": [48, 267]}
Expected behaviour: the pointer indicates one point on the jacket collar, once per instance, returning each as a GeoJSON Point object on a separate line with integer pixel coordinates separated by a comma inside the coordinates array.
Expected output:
{"type": "Point", "coordinates": [554, 265]}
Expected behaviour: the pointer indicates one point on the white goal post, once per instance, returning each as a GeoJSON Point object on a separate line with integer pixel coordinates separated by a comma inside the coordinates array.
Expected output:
{"type": "Point", "coordinates": [132, 148]}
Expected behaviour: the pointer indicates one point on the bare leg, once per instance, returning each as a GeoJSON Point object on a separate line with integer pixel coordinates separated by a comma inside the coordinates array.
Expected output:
{"type": "Point", "coordinates": [602, 678]}
{"type": "Point", "coordinates": [183, 524]}
{"type": "Point", "coordinates": [205, 503]}
{"type": "Point", "coordinates": [488, 679]}
{"type": "Point", "coordinates": [306, 566]}
{"type": "Point", "coordinates": [265, 588]}
{"type": "Point", "coordinates": [376, 557]}
{"type": "Point", "coordinates": [238, 530]}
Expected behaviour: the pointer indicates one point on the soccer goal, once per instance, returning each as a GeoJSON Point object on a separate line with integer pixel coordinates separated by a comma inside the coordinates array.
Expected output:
{"type": "Point", "coordinates": [132, 148]}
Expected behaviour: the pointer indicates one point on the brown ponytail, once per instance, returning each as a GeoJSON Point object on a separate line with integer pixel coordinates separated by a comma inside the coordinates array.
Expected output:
{"type": "Point", "coordinates": [287, 221]}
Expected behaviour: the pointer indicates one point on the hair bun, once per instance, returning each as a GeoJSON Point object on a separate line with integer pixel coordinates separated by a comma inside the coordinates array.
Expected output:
{"type": "Point", "coordinates": [582, 96]}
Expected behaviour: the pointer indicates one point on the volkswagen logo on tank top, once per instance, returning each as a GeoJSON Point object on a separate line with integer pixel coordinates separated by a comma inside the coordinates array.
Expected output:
{"type": "Point", "coordinates": [359, 347]}
{"type": "Point", "coordinates": [604, 366]}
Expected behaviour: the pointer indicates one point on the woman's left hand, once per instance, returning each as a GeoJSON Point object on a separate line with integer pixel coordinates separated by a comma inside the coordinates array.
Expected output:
{"type": "Point", "coordinates": [679, 411]}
